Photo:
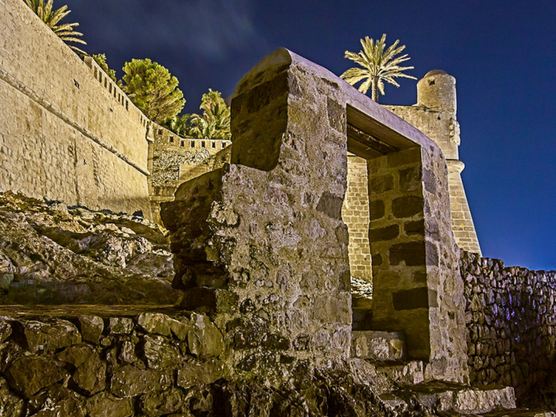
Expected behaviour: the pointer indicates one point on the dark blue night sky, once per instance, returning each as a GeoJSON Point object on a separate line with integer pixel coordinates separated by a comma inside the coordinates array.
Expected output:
{"type": "Point", "coordinates": [502, 53]}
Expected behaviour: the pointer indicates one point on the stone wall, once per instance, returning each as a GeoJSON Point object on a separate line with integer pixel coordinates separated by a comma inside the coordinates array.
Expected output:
{"type": "Point", "coordinates": [174, 160]}
{"type": "Point", "coordinates": [125, 364]}
{"type": "Point", "coordinates": [417, 285]}
{"type": "Point", "coordinates": [261, 242]}
{"type": "Point", "coordinates": [355, 214]}
{"type": "Point", "coordinates": [67, 132]}
{"type": "Point", "coordinates": [512, 322]}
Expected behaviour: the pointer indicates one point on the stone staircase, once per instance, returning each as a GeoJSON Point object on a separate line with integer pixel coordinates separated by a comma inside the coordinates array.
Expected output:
{"type": "Point", "coordinates": [403, 383]}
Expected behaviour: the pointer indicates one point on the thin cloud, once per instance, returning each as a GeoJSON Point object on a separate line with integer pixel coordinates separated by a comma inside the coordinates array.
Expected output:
{"type": "Point", "coordinates": [217, 28]}
{"type": "Point", "coordinates": [207, 29]}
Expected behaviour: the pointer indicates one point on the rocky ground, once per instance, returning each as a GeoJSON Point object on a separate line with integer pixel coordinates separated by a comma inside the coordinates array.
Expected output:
{"type": "Point", "coordinates": [54, 254]}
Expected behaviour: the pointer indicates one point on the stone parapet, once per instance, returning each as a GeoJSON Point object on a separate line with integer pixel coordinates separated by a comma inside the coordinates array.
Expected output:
{"type": "Point", "coordinates": [174, 160]}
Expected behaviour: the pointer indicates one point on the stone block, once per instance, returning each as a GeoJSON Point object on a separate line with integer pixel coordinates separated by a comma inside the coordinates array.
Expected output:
{"type": "Point", "coordinates": [414, 228]}
{"type": "Point", "coordinates": [474, 401]}
{"type": "Point", "coordinates": [158, 353]}
{"type": "Point", "coordinates": [378, 346]}
{"type": "Point", "coordinates": [331, 205]}
{"type": "Point", "coordinates": [412, 253]}
{"type": "Point", "coordinates": [159, 323]}
{"type": "Point", "coordinates": [410, 180]}
{"type": "Point", "coordinates": [384, 233]}
{"type": "Point", "coordinates": [204, 338]}
{"type": "Point", "coordinates": [120, 325]}
{"type": "Point", "coordinates": [91, 328]}
{"type": "Point", "coordinates": [27, 375]}
{"type": "Point", "coordinates": [197, 373]}
{"type": "Point", "coordinates": [408, 206]}
{"type": "Point", "coordinates": [90, 375]}
{"type": "Point", "coordinates": [380, 184]}
{"type": "Point", "coordinates": [50, 336]}
{"type": "Point", "coordinates": [104, 404]}
{"type": "Point", "coordinates": [376, 209]}
{"type": "Point", "coordinates": [128, 381]}
{"type": "Point", "coordinates": [411, 299]}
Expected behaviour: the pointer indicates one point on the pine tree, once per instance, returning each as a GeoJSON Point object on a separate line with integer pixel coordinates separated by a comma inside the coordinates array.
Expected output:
{"type": "Point", "coordinates": [152, 88]}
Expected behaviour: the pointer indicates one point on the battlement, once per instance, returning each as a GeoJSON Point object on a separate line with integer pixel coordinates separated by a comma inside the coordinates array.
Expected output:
{"type": "Point", "coordinates": [115, 91]}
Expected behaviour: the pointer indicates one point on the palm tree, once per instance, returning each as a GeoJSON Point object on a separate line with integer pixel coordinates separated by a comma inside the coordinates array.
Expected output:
{"type": "Point", "coordinates": [215, 121]}
{"type": "Point", "coordinates": [378, 66]}
{"type": "Point", "coordinates": [52, 18]}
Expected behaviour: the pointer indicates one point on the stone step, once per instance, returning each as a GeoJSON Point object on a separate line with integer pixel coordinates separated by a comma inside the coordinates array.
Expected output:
{"type": "Point", "coordinates": [456, 399]}
{"type": "Point", "coordinates": [519, 412]}
{"type": "Point", "coordinates": [377, 345]}
{"type": "Point", "coordinates": [403, 373]}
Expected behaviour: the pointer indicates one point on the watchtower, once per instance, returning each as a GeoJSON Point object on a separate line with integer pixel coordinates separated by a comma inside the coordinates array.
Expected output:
{"type": "Point", "coordinates": [435, 114]}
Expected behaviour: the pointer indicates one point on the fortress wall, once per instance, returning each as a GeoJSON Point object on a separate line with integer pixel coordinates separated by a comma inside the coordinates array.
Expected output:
{"type": "Point", "coordinates": [66, 132]}
{"type": "Point", "coordinates": [174, 160]}
{"type": "Point", "coordinates": [355, 213]}
{"type": "Point", "coordinates": [512, 323]}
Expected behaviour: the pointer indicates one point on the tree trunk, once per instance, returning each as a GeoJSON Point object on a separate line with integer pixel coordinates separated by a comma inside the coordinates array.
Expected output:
{"type": "Point", "coordinates": [374, 89]}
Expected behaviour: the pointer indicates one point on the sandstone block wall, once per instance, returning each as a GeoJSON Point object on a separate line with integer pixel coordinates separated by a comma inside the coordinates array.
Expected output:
{"type": "Point", "coordinates": [512, 323]}
{"type": "Point", "coordinates": [355, 214]}
{"type": "Point", "coordinates": [66, 132]}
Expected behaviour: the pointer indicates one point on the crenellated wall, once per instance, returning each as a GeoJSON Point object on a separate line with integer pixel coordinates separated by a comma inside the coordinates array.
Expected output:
{"type": "Point", "coordinates": [174, 160]}
{"type": "Point", "coordinates": [67, 132]}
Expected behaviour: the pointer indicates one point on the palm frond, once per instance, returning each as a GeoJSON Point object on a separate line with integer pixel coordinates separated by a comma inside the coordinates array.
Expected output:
{"type": "Point", "coordinates": [52, 18]}
{"type": "Point", "coordinates": [379, 64]}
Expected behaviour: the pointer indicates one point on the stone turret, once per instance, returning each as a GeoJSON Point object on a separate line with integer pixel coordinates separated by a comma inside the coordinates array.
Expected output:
{"type": "Point", "coordinates": [437, 91]}
{"type": "Point", "coordinates": [435, 114]}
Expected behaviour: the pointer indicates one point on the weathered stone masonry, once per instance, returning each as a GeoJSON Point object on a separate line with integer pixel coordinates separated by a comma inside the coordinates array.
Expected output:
{"type": "Point", "coordinates": [512, 323]}
{"type": "Point", "coordinates": [63, 134]}
{"type": "Point", "coordinates": [274, 236]}
{"type": "Point", "coordinates": [174, 160]}
{"type": "Point", "coordinates": [147, 364]}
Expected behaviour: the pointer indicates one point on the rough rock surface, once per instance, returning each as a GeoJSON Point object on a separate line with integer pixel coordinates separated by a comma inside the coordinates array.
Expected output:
{"type": "Point", "coordinates": [54, 254]}
{"type": "Point", "coordinates": [170, 375]}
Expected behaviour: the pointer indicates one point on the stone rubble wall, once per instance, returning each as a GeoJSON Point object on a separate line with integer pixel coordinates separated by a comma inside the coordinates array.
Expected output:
{"type": "Point", "coordinates": [511, 320]}
{"type": "Point", "coordinates": [149, 364]}
{"type": "Point", "coordinates": [66, 132]}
